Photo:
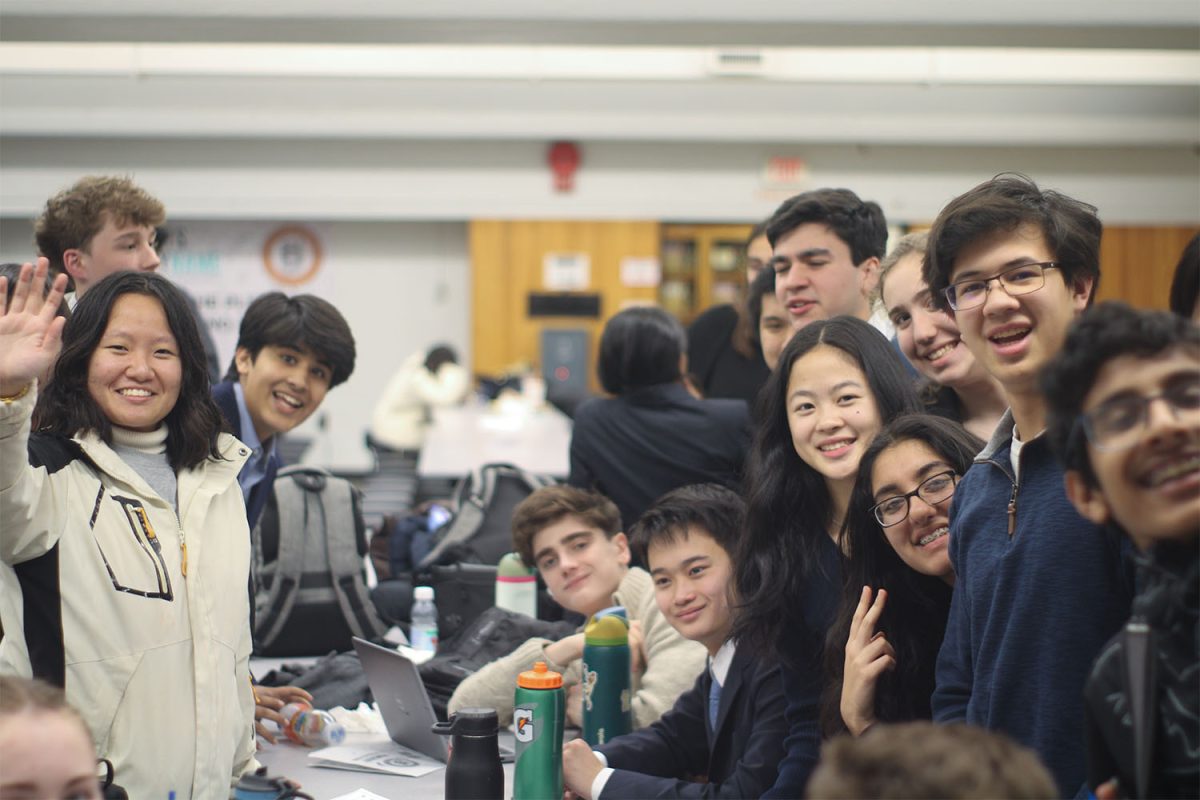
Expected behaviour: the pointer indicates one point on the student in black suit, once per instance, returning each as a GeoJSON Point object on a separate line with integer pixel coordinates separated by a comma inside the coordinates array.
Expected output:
{"type": "Point", "coordinates": [290, 352]}
{"type": "Point", "coordinates": [652, 435]}
{"type": "Point", "coordinates": [724, 737]}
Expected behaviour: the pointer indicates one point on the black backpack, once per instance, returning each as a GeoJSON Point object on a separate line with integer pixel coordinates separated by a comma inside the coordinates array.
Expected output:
{"type": "Point", "coordinates": [480, 531]}
{"type": "Point", "coordinates": [310, 593]}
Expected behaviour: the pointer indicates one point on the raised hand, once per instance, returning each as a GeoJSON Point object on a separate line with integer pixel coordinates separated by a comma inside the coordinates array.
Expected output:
{"type": "Point", "coordinates": [868, 655]}
{"type": "Point", "coordinates": [30, 330]}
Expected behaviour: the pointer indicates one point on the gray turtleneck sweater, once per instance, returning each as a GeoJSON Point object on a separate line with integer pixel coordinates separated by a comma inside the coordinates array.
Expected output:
{"type": "Point", "coordinates": [146, 453]}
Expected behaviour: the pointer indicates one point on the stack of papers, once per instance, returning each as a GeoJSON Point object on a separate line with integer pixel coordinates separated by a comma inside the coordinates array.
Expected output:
{"type": "Point", "coordinates": [378, 755]}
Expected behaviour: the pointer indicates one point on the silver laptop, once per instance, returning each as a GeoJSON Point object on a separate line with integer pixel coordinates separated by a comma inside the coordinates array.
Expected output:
{"type": "Point", "coordinates": [402, 700]}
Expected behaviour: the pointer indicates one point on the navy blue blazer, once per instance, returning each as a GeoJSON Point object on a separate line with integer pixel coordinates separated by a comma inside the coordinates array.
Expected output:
{"type": "Point", "coordinates": [637, 447]}
{"type": "Point", "coordinates": [681, 755]}
{"type": "Point", "coordinates": [227, 401]}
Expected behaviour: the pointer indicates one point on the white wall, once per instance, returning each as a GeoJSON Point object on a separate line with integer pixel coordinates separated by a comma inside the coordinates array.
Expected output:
{"type": "Point", "coordinates": [686, 181]}
{"type": "Point", "coordinates": [402, 286]}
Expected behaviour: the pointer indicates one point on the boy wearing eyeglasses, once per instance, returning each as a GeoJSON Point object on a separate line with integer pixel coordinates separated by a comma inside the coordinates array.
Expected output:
{"type": "Point", "coordinates": [1124, 419]}
{"type": "Point", "coordinates": [1040, 589]}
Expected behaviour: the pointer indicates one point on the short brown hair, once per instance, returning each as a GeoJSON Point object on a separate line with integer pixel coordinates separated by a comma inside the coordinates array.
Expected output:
{"type": "Point", "coordinates": [73, 216]}
{"type": "Point", "coordinates": [921, 759]}
{"type": "Point", "coordinates": [549, 504]}
{"type": "Point", "coordinates": [20, 695]}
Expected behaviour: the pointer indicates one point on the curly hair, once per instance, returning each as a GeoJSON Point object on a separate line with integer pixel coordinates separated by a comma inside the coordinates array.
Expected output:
{"type": "Point", "coordinates": [549, 504]}
{"type": "Point", "coordinates": [73, 216]}
{"type": "Point", "coordinates": [1107, 331]}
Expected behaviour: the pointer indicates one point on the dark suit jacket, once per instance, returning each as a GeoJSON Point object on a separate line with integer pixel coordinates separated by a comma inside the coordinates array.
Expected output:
{"type": "Point", "coordinates": [636, 447]}
{"type": "Point", "coordinates": [740, 757]}
{"type": "Point", "coordinates": [227, 401]}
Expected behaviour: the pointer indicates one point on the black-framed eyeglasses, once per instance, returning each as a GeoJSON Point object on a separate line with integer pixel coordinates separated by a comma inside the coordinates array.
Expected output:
{"type": "Point", "coordinates": [1015, 281]}
{"type": "Point", "coordinates": [1118, 423]}
{"type": "Point", "coordinates": [932, 490]}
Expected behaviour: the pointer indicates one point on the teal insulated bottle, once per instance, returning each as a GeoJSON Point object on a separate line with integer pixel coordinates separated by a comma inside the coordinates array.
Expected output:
{"type": "Point", "coordinates": [538, 715]}
{"type": "Point", "coordinates": [606, 678]}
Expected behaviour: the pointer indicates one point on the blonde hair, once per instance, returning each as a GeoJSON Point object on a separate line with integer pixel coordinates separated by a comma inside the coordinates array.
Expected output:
{"type": "Point", "coordinates": [22, 695]}
{"type": "Point", "coordinates": [909, 244]}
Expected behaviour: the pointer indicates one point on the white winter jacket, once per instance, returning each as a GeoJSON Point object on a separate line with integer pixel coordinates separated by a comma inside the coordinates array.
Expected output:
{"type": "Point", "coordinates": [94, 594]}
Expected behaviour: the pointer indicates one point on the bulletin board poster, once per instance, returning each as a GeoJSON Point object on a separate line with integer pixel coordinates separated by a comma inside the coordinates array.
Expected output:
{"type": "Point", "coordinates": [225, 265]}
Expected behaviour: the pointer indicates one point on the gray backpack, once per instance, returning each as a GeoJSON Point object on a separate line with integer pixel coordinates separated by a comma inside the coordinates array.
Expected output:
{"type": "Point", "coordinates": [480, 530]}
{"type": "Point", "coordinates": [310, 593]}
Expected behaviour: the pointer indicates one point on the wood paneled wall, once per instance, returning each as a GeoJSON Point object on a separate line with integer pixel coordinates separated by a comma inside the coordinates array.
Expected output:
{"type": "Point", "coordinates": [1137, 264]}
{"type": "Point", "coordinates": [506, 265]}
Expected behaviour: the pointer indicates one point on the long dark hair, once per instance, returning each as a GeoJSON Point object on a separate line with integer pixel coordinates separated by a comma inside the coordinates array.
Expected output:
{"type": "Point", "coordinates": [789, 509]}
{"type": "Point", "coordinates": [66, 408]}
{"type": "Point", "coordinates": [914, 618]}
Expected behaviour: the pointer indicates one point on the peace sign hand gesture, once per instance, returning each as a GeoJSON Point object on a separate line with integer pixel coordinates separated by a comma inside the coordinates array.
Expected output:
{"type": "Point", "coordinates": [868, 656]}
{"type": "Point", "coordinates": [30, 330]}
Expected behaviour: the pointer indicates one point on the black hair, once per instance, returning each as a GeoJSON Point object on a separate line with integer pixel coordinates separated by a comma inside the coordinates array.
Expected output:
{"type": "Point", "coordinates": [67, 408]}
{"type": "Point", "coordinates": [762, 285]}
{"type": "Point", "coordinates": [12, 271]}
{"type": "Point", "coordinates": [1185, 285]}
{"type": "Point", "coordinates": [917, 605]}
{"type": "Point", "coordinates": [1004, 203]}
{"type": "Point", "coordinates": [640, 347]}
{"type": "Point", "coordinates": [860, 224]}
{"type": "Point", "coordinates": [1107, 331]}
{"type": "Point", "coordinates": [438, 355]}
{"type": "Point", "coordinates": [788, 503]}
{"type": "Point", "coordinates": [713, 508]}
{"type": "Point", "coordinates": [302, 322]}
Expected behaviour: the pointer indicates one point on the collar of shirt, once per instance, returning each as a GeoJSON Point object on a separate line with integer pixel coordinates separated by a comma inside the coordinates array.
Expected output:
{"type": "Point", "coordinates": [719, 664]}
{"type": "Point", "coordinates": [248, 435]}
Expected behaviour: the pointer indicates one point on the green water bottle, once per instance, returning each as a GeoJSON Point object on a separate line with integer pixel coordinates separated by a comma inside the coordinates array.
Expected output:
{"type": "Point", "coordinates": [606, 678]}
{"type": "Point", "coordinates": [538, 715]}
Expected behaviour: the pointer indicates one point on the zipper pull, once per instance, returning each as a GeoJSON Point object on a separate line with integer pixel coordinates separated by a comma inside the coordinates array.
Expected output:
{"type": "Point", "coordinates": [1012, 512]}
{"type": "Point", "coordinates": [183, 551]}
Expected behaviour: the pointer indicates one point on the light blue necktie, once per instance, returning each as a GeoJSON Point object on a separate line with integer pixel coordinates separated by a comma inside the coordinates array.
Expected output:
{"type": "Point", "coordinates": [714, 703]}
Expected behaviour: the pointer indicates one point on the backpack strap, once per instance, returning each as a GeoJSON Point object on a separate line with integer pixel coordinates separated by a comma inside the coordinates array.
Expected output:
{"type": "Point", "coordinates": [339, 500]}
{"type": "Point", "coordinates": [291, 506]}
{"type": "Point", "coordinates": [1141, 688]}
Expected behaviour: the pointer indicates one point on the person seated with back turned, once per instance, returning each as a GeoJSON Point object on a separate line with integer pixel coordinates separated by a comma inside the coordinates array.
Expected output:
{"type": "Point", "coordinates": [1133, 463]}
{"type": "Point", "coordinates": [574, 538]}
{"type": "Point", "coordinates": [652, 436]}
{"type": "Point", "coordinates": [290, 352]}
{"type": "Point", "coordinates": [729, 727]}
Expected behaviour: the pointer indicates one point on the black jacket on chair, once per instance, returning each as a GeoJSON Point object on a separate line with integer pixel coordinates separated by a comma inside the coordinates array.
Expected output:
{"type": "Point", "coordinates": [738, 759]}
{"type": "Point", "coordinates": [637, 447]}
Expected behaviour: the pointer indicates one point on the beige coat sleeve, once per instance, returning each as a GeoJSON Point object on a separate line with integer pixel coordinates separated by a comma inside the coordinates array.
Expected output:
{"type": "Point", "coordinates": [494, 685]}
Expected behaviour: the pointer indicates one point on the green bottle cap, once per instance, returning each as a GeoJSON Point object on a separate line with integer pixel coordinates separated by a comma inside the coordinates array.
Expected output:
{"type": "Point", "coordinates": [607, 630]}
{"type": "Point", "coordinates": [511, 566]}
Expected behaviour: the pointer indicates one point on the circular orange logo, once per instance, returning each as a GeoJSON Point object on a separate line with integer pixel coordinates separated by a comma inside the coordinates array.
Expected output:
{"type": "Point", "coordinates": [292, 255]}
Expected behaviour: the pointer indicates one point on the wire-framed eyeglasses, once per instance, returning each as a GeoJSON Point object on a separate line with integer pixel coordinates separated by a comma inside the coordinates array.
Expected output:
{"type": "Point", "coordinates": [932, 490]}
{"type": "Point", "coordinates": [1018, 280]}
{"type": "Point", "coordinates": [1117, 423]}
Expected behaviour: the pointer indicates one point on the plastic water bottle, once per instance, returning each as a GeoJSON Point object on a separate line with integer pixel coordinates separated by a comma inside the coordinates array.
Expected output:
{"type": "Point", "coordinates": [516, 586]}
{"type": "Point", "coordinates": [424, 630]}
{"type": "Point", "coordinates": [539, 713]}
{"type": "Point", "coordinates": [311, 727]}
{"type": "Point", "coordinates": [606, 678]}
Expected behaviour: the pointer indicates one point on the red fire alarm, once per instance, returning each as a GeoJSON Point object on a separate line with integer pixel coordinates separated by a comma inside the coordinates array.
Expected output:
{"type": "Point", "coordinates": [563, 158]}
